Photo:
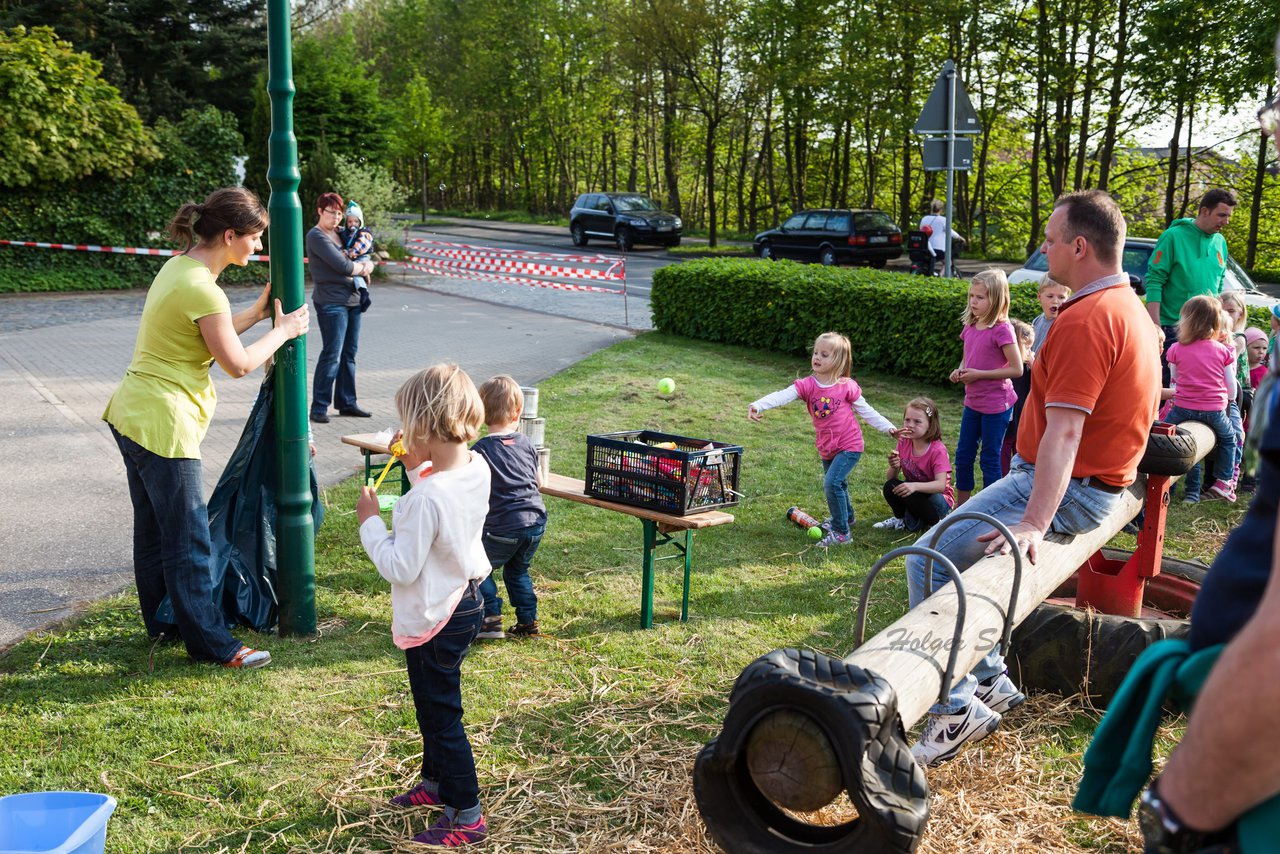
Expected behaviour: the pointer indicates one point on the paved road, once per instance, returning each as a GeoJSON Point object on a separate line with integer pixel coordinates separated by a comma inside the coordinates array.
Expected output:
{"type": "Point", "coordinates": [65, 517]}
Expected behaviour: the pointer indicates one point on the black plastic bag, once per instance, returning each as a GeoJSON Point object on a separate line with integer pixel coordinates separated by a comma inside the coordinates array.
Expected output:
{"type": "Point", "coordinates": [242, 524]}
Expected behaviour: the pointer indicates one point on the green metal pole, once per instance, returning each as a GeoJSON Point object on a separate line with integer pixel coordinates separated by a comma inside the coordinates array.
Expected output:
{"type": "Point", "coordinates": [295, 535]}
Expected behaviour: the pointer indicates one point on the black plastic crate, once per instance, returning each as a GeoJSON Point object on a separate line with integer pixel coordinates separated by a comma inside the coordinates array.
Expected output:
{"type": "Point", "coordinates": [695, 475]}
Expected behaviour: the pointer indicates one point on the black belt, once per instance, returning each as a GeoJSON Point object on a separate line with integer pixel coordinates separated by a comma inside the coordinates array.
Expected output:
{"type": "Point", "coordinates": [1094, 483]}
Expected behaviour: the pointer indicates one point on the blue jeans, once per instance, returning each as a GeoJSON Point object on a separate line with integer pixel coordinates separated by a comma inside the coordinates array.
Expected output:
{"type": "Point", "coordinates": [988, 429]}
{"type": "Point", "coordinates": [435, 680]}
{"type": "Point", "coordinates": [513, 553]}
{"type": "Point", "coordinates": [1082, 509]}
{"type": "Point", "coordinates": [171, 550]}
{"type": "Point", "coordinates": [1225, 457]}
{"type": "Point", "coordinates": [835, 483]}
{"type": "Point", "coordinates": [335, 380]}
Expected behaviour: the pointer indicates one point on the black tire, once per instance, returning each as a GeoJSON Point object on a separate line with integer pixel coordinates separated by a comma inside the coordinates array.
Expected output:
{"type": "Point", "coordinates": [827, 256]}
{"type": "Point", "coordinates": [857, 712]}
{"type": "Point", "coordinates": [766, 252]}
{"type": "Point", "coordinates": [1066, 650]}
{"type": "Point", "coordinates": [579, 234]}
{"type": "Point", "coordinates": [1169, 455]}
{"type": "Point", "coordinates": [673, 242]}
{"type": "Point", "coordinates": [878, 264]}
{"type": "Point", "coordinates": [624, 239]}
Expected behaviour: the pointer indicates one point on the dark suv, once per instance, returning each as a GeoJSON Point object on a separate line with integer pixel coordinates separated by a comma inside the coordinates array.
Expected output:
{"type": "Point", "coordinates": [624, 218]}
{"type": "Point", "coordinates": [833, 237]}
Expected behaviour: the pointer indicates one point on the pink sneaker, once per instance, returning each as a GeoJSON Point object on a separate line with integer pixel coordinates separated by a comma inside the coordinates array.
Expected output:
{"type": "Point", "coordinates": [1222, 489]}
{"type": "Point", "coordinates": [448, 833]}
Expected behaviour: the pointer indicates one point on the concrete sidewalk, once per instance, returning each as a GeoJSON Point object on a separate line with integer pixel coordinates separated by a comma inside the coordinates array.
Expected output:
{"type": "Point", "coordinates": [65, 516]}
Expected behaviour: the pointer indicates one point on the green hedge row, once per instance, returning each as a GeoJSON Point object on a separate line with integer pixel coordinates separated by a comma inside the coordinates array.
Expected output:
{"type": "Point", "coordinates": [898, 324]}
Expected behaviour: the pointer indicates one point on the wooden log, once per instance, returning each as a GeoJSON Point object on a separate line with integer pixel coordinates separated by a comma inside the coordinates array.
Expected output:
{"type": "Point", "coordinates": [911, 653]}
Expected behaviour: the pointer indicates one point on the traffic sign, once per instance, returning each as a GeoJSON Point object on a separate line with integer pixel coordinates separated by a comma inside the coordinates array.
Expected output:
{"type": "Point", "coordinates": [935, 154]}
{"type": "Point", "coordinates": [934, 117]}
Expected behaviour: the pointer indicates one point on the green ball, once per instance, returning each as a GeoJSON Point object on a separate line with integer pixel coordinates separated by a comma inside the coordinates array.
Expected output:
{"type": "Point", "coordinates": [666, 385]}
{"type": "Point", "coordinates": [815, 533]}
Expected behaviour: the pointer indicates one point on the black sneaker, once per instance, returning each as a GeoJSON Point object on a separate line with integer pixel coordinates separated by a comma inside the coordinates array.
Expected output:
{"type": "Point", "coordinates": [524, 630]}
{"type": "Point", "coordinates": [491, 629]}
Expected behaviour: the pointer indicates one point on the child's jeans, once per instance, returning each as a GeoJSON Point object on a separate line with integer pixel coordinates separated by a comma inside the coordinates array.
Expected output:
{"type": "Point", "coordinates": [513, 553]}
{"type": "Point", "coordinates": [435, 679]}
{"type": "Point", "coordinates": [835, 483]}
{"type": "Point", "coordinates": [1220, 424]}
{"type": "Point", "coordinates": [985, 428]}
{"type": "Point", "coordinates": [919, 510]}
{"type": "Point", "coordinates": [361, 283]}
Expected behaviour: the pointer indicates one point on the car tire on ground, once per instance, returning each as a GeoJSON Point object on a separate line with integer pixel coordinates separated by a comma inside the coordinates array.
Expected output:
{"type": "Point", "coordinates": [1067, 650]}
{"type": "Point", "coordinates": [624, 239]}
{"type": "Point", "coordinates": [827, 257]}
{"type": "Point", "coordinates": [673, 242]}
{"type": "Point", "coordinates": [766, 252]}
{"type": "Point", "coordinates": [857, 714]}
{"type": "Point", "coordinates": [878, 264]}
{"type": "Point", "coordinates": [579, 234]}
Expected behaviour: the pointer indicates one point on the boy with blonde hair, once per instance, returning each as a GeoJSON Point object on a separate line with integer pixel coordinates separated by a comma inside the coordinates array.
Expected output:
{"type": "Point", "coordinates": [1052, 296]}
{"type": "Point", "coordinates": [517, 517]}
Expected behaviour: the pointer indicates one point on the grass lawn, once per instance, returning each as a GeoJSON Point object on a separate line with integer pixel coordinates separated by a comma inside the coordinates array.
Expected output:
{"type": "Point", "coordinates": [584, 739]}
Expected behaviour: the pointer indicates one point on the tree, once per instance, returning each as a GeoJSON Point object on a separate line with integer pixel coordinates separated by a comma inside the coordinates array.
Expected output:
{"type": "Point", "coordinates": [165, 56]}
{"type": "Point", "coordinates": [59, 120]}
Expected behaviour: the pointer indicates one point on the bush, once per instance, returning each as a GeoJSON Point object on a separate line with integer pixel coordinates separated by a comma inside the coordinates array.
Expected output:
{"type": "Point", "coordinates": [900, 324]}
{"type": "Point", "coordinates": [197, 155]}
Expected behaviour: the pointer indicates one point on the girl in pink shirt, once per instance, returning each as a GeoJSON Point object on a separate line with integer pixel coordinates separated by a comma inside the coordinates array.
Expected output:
{"type": "Point", "coordinates": [1202, 370]}
{"type": "Point", "coordinates": [923, 496]}
{"type": "Point", "coordinates": [991, 360]}
{"type": "Point", "coordinates": [832, 399]}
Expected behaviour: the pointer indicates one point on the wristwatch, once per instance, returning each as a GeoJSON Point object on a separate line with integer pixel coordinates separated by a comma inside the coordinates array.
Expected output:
{"type": "Point", "coordinates": [1164, 833]}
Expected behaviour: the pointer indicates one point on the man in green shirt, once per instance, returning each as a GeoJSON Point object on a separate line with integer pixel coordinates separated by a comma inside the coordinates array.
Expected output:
{"type": "Point", "coordinates": [1189, 260]}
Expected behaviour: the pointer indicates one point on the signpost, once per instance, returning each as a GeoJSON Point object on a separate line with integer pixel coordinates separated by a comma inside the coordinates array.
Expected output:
{"type": "Point", "coordinates": [948, 120]}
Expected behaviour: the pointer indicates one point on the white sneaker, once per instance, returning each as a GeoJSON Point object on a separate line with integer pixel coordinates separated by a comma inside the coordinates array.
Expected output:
{"type": "Point", "coordinates": [893, 523]}
{"type": "Point", "coordinates": [945, 735]}
{"type": "Point", "coordinates": [999, 694]}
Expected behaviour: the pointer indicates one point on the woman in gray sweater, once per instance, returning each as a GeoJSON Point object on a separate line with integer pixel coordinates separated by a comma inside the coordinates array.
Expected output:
{"type": "Point", "coordinates": [337, 313]}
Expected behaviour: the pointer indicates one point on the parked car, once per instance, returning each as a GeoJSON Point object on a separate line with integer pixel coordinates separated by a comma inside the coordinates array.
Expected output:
{"type": "Point", "coordinates": [1137, 254]}
{"type": "Point", "coordinates": [624, 218]}
{"type": "Point", "coordinates": [833, 237]}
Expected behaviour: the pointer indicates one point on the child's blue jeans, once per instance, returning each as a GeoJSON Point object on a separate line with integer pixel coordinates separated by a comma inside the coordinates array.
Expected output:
{"type": "Point", "coordinates": [985, 428]}
{"type": "Point", "coordinates": [1220, 424]}
{"type": "Point", "coordinates": [835, 483]}
{"type": "Point", "coordinates": [512, 553]}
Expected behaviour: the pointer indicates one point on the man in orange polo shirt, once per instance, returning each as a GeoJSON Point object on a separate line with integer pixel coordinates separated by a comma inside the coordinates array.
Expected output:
{"type": "Point", "coordinates": [1095, 389]}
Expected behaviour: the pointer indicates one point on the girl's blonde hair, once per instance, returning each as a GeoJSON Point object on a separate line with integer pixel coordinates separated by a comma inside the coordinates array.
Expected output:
{"type": "Point", "coordinates": [842, 350]}
{"type": "Point", "coordinates": [1236, 300]}
{"type": "Point", "coordinates": [1201, 319]}
{"type": "Point", "coordinates": [1025, 336]}
{"type": "Point", "coordinates": [997, 285]}
{"type": "Point", "coordinates": [930, 410]}
{"type": "Point", "coordinates": [442, 403]}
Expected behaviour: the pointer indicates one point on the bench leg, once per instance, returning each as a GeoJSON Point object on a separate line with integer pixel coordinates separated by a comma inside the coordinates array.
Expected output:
{"type": "Point", "coordinates": [688, 566]}
{"type": "Point", "coordinates": [646, 581]}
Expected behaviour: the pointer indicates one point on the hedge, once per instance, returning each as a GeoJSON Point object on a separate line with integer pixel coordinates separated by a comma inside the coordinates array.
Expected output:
{"type": "Point", "coordinates": [899, 324]}
{"type": "Point", "coordinates": [197, 155]}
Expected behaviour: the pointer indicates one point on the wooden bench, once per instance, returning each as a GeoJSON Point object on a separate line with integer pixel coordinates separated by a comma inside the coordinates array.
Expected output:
{"type": "Point", "coordinates": [658, 527]}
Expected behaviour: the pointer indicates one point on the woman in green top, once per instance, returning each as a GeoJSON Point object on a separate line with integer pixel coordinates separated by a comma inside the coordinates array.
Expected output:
{"type": "Point", "coordinates": [161, 410]}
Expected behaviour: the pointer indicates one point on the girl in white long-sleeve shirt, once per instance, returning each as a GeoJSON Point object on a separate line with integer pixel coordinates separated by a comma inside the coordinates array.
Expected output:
{"type": "Point", "coordinates": [434, 559]}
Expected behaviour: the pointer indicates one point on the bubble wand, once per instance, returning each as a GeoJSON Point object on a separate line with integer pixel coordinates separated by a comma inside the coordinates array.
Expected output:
{"type": "Point", "coordinates": [397, 451]}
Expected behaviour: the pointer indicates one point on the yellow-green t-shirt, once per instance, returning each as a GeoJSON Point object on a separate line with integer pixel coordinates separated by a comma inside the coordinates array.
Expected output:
{"type": "Point", "coordinates": [166, 399]}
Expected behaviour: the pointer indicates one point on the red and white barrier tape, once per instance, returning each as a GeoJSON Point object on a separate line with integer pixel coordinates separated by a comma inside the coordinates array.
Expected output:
{"type": "Point", "coordinates": [517, 253]}
{"type": "Point", "coordinates": [490, 264]}
{"type": "Point", "coordinates": [440, 268]}
{"type": "Point", "coordinates": [118, 250]}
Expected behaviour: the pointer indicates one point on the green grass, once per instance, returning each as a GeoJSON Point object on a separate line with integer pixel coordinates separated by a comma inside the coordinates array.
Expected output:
{"type": "Point", "coordinates": [702, 250]}
{"type": "Point", "coordinates": [584, 737]}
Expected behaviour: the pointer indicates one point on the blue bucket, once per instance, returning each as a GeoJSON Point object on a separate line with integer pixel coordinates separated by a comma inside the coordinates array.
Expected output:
{"type": "Point", "coordinates": [55, 823]}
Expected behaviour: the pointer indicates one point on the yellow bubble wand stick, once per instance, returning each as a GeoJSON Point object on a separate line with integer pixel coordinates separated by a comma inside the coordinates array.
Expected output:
{"type": "Point", "coordinates": [397, 451]}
